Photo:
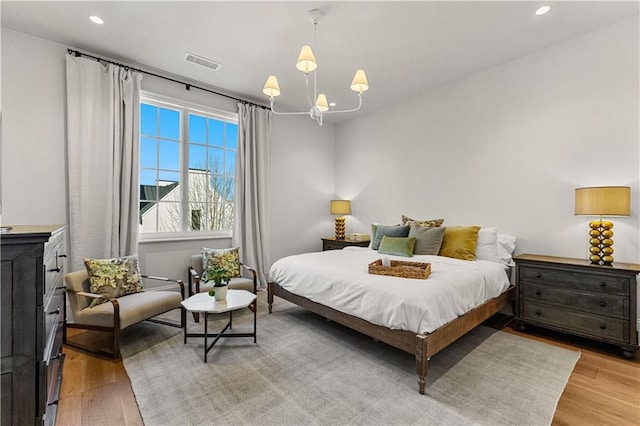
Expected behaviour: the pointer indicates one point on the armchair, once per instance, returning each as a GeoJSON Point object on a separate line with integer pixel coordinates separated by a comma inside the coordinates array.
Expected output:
{"type": "Point", "coordinates": [247, 281]}
{"type": "Point", "coordinates": [118, 313]}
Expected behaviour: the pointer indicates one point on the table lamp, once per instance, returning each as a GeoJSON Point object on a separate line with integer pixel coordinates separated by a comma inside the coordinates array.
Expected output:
{"type": "Point", "coordinates": [340, 208]}
{"type": "Point", "coordinates": [602, 201]}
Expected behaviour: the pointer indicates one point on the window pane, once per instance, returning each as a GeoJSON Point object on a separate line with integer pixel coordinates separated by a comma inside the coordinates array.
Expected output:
{"type": "Point", "coordinates": [148, 153]}
{"type": "Point", "coordinates": [199, 189]}
{"type": "Point", "coordinates": [148, 120]}
{"type": "Point", "coordinates": [232, 135]}
{"type": "Point", "coordinates": [231, 189]}
{"type": "Point", "coordinates": [147, 178]}
{"type": "Point", "coordinates": [231, 163]}
{"type": "Point", "coordinates": [168, 186]}
{"type": "Point", "coordinates": [197, 216]}
{"type": "Point", "coordinates": [169, 217]}
{"type": "Point", "coordinates": [197, 157]}
{"type": "Point", "coordinates": [216, 160]}
{"type": "Point", "coordinates": [169, 124]}
{"type": "Point", "coordinates": [197, 129]}
{"type": "Point", "coordinates": [169, 155]}
{"type": "Point", "coordinates": [216, 132]}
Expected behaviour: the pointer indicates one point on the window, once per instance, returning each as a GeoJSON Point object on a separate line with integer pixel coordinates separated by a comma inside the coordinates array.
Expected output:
{"type": "Point", "coordinates": [187, 168]}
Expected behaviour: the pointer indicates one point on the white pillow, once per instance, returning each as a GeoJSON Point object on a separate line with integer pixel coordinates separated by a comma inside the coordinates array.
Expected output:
{"type": "Point", "coordinates": [487, 245]}
{"type": "Point", "coordinates": [506, 246]}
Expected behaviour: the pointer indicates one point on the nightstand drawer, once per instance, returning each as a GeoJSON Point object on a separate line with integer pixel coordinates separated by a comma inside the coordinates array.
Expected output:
{"type": "Point", "coordinates": [576, 279]}
{"type": "Point", "coordinates": [597, 303]}
{"type": "Point", "coordinates": [565, 320]}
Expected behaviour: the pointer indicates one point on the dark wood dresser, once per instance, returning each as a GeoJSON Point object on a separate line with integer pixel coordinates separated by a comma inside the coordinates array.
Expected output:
{"type": "Point", "coordinates": [33, 259]}
{"type": "Point", "coordinates": [577, 297]}
{"type": "Point", "coordinates": [331, 243]}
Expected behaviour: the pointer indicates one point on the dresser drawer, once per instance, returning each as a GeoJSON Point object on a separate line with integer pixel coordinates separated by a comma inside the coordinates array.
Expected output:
{"type": "Point", "coordinates": [51, 316]}
{"type": "Point", "coordinates": [597, 303]}
{"type": "Point", "coordinates": [607, 328]}
{"type": "Point", "coordinates": [576, 279]}
{"type": "Point", "coordinates": [53, 274]}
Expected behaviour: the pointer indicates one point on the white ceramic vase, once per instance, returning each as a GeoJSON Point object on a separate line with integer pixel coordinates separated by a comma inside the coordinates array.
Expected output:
{"type": "Point", "coordinates": [221, 293]}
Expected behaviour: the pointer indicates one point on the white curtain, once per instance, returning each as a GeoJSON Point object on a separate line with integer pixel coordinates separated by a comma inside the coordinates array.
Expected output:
{"type": "Point", "coordinates": [251, 221]}
{"type": "Point", "coordinates": [102, 159]}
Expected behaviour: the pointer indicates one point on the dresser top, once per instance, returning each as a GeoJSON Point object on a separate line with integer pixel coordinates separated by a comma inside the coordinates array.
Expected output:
{"type": "Point", "coordinates": [577, 262]}
{"type": "Point", "coordinates": [30, 231]}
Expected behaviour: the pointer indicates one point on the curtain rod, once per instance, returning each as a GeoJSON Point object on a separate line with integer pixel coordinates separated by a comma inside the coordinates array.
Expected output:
{"type": "Point", "coordinates": [187, 86]}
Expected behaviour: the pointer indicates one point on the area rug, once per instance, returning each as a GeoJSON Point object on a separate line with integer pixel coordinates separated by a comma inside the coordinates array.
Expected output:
{"type": "Point", "coordinates": [305, 370]}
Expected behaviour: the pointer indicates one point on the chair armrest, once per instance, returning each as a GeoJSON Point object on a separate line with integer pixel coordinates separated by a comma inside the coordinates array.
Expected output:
{"type": "Point", "coordinates": [251, 275]}
{"type": "Point", "coordinates": [165, 287]}
{"type": "Point", "coordinates": [84, 293]}
{"type": "Point", "coordinates": [194, 280]}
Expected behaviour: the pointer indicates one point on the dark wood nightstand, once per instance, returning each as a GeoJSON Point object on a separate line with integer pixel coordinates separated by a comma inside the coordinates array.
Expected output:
{"type": "Point", "coordinates": [331, 243]}
{"type": "Point", "coordinates": [576, 297]}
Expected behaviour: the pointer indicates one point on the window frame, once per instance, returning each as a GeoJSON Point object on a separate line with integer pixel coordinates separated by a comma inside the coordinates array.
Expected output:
{"type": "Point", "coordinates": [184, 108]}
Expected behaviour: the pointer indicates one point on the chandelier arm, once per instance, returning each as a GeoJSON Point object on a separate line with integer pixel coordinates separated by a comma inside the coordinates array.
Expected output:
{"type": "Point", "coordinates": [273, 110]}
{"type": "Point", "coordinates": [306, 89]}
{"type": "Point", "coordinates": [331, 111]}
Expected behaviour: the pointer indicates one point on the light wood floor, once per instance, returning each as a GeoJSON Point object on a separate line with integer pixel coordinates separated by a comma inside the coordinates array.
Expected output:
{"type": "Point", "coordinates": [604, 388]}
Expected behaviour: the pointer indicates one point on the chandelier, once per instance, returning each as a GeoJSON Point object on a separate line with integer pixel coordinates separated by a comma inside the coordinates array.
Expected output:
{"type": "Point", "coordinates": [307, 64]}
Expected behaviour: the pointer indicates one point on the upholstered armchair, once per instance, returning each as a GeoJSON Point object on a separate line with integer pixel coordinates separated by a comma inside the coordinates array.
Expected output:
{"type": "Point", "coordinates": [247, 281]}
{"type": "Point", "coordinates": [116, 314]}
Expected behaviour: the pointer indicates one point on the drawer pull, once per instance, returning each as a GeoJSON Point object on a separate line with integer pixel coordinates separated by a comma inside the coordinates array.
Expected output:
{"type": "Point", "coordinates": [603, 284]}
{"type": "Point", "coordinates": [538, 292]}
{"type": "Point", "coordinates": [603, 326]}
{"type": "Point", "coordinates": [62, 255]}
{"type": "Point", "coordinates": [52, 403]}
{"type": "Point", "coordinates": [55, 270]}
{"type": "Point", "coordinates": [603, 304]}
{"type": "Point", "coordinates": [57, 356]}
{"type": "Point", "coordinates": [538, 312]}
{"type": "Point", "coordinates": [57, 311]}
{"type": "Point", "coordinates": [538, 275]}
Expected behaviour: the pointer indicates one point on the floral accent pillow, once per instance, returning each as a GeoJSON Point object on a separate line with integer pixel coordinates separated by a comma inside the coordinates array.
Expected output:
{"type": "Point", "coordinates": [419, 223]}
{"type": "Point", "coordinates": [228, 259]}
{"type": "Point", "coordinates": [113, 277]}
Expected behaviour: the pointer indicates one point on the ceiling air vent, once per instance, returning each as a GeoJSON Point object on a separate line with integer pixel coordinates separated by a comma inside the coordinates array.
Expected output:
{"type": "Point", "coordinates": [203, 62]}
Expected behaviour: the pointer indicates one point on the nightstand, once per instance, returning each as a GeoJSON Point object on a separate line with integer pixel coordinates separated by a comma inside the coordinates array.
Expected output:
{"type": "Point", "coordinates": [576, 297]}
{"type": "Point", "coordinates": [331, 243]}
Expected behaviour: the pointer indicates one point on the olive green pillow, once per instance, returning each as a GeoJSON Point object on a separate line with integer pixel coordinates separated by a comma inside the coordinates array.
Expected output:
{"type": "Point", "coordinates": [459, 242]}
{"type": "Point", "coordinates": [428, 239]}
{"type": "Point", "coordinates": [398, 246]}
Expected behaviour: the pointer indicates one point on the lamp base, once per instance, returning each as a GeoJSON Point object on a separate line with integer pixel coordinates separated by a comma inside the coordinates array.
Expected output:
{"type": "Point", "coordinates": [601, 242]}
{"type": "Point", "coordinates": [340, 228]}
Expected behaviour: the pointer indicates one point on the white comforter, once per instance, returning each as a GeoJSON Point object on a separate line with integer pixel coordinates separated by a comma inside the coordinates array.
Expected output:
{"type": "Point", "coordinates": [340, 279]}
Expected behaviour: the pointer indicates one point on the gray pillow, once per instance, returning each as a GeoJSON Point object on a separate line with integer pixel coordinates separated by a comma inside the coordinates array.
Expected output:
{"type": "Point", "coordinates": [428, 239]}
{"type": "Point", "coordinates": [390, 231]}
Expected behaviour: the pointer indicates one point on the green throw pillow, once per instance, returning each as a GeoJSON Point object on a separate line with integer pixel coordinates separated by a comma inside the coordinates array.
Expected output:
{"type": "Point", "coordinates": [399, 246]}
{"type": "Point", "coordinates": [113, 277]}
{"type": "Point", "coordinates": [228, 259]}
{"type": "Point", "coordinates": [459, 242]}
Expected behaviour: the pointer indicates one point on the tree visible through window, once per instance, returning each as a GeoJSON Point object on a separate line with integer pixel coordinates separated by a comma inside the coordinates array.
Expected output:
{"type": "Point", "coordinates": [187, 168]}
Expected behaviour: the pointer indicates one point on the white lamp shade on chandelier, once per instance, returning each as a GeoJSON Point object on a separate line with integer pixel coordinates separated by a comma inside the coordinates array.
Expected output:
{"type": "Point", "coordinates": [307, 64]}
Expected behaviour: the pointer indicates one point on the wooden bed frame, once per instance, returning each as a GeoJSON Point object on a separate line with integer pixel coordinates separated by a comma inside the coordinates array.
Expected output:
{"type": "Point", "coordinates": [423, 346]}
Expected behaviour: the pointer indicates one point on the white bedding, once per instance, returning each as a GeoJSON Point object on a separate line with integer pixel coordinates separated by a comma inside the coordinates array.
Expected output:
{"type": "Point", "coordinates": [340, 279]}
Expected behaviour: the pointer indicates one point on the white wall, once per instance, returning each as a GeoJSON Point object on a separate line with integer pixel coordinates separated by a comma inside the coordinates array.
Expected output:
{"type": "Point", "coordinates": [34, 157]}
{"type": "Point", "coordinates": [507, 147]}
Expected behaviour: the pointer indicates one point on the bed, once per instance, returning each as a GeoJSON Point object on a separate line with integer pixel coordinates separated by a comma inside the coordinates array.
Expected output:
{"type": "Point", "coordinates": [418, 316]}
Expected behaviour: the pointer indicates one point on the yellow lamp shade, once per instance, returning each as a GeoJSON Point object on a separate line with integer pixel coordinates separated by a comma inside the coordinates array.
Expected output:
{"type": "Point", "coordinates": [360, 83]}
{"type": "Point", "coordinates": [321, 103]}
{"type": "Point", "coordinates": [271, 87]}
{"type": "Point", "coordinates": [340, 207]}
{"type": "Point", "coordinates": [306, 60]}
{"type": "Point", "coordinates": [603, 201]}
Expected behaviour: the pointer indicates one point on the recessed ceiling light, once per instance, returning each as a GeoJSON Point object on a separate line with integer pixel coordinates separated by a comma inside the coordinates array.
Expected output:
{"type": "Point", "coordinates": [332, 104]}
{"type": "Point", "coordinates": [96, 19]}
{"type": "Point", "coordinates": [543, 9]}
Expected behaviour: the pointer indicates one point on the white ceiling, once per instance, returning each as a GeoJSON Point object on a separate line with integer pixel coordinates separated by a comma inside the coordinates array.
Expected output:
{"type": "Point", "coordinates": [405, 47]}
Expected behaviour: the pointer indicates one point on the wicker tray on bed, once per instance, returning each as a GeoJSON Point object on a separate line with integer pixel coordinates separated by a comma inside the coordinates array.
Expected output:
{"type": "Point", "coordinates": [400, 268]}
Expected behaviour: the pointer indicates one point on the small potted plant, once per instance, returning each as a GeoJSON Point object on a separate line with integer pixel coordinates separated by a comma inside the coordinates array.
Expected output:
{"type": "Point", "coordinates": [220, 277]}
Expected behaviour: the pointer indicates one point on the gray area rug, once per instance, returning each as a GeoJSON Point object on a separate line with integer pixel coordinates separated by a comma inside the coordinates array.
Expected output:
{"type": "Point", "coordinates": [305, 370]}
